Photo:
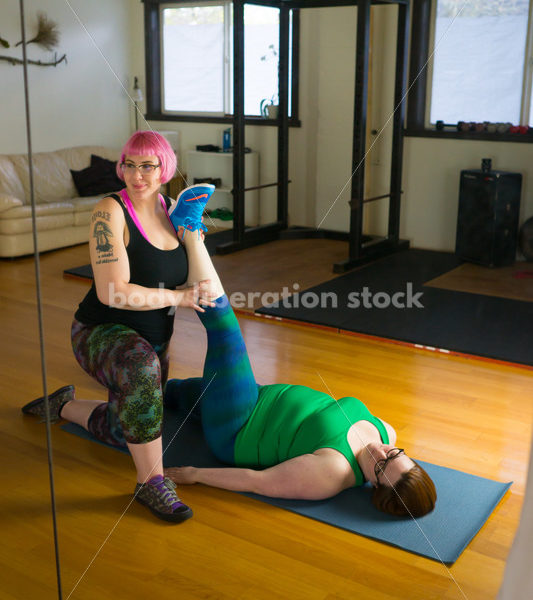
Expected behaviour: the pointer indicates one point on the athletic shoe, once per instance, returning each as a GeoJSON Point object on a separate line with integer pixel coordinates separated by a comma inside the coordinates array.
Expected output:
{"type": "Point", "coordinates": [190, 206]}
{"type": "Point", "coordinates": [56, 400]}
{"type": "Point", "coordinates": [159, 496]}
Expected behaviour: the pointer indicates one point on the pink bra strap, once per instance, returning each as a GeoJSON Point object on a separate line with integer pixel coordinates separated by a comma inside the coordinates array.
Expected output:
{"type": "Point", "coordinates": [131, 211]}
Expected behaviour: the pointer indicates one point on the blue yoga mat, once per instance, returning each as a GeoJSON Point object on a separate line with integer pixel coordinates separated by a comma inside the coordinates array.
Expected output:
{"type": "Point", "coordinates": [464, 501]}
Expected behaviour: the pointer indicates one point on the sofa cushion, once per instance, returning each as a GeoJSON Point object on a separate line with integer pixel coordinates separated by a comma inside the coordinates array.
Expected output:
{"type": "Point", "coordinates": [7, 202]}
{"type": "Point", "coordinates": [86, 204]}
{"type": "Point", "coordinates": [24, 211]}
{"type": "Point", "coordinates": [79, 157]}
{"type": "Point", "coordinates": [22, 244]}
{"type": "Point", "coordinates": [10, 183]}
{"type": "Point", "coordinates": [45, 222]}
{"type": "Point", "coordinates": [51, 175]}
{"type": "Point", "coordinates": [82, 218]}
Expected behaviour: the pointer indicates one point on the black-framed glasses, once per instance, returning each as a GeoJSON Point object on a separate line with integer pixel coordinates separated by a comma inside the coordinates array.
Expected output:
{"type": "Point", "coordinates": [144, 169]}
{"type": "Point", "coordinates": [380, 465]}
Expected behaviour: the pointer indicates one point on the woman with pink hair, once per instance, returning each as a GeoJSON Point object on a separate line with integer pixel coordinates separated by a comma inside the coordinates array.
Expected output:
{"type": "Point", "coordinates": [122, 328]}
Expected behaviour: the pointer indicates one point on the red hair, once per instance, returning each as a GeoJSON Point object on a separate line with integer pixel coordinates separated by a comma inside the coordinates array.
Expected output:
{"type": "Point", "coordinates": [414, 494]}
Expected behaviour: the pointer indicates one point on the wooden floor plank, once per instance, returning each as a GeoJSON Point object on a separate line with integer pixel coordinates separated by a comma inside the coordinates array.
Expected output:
{"type": "Point", "coordinates": [514, 281]}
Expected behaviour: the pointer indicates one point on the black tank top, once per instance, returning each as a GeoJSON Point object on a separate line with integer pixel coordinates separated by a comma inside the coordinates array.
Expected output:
{"type": "Point", "coordinates": [149, 267]}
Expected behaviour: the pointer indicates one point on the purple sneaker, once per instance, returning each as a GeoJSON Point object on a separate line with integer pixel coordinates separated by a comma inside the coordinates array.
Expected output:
{"type": "Point", "coordinates": [159, 496]}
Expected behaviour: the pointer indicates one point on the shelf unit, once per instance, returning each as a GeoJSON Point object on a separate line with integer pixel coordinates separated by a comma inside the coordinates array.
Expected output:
{"type": "Point", "coordinates": [216, 165]}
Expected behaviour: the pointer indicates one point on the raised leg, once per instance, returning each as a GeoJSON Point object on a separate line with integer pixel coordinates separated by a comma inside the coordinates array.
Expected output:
{"type": "Point", "coordinates": [229, 391]}
{"type": "Point", "coordinates": [200, 264]}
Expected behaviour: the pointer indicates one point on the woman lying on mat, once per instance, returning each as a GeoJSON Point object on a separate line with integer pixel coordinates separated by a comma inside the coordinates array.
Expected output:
{"type": "Point", "coordinates": [122, 328]}
{"type": "Point", "coordinates": [288, 441]}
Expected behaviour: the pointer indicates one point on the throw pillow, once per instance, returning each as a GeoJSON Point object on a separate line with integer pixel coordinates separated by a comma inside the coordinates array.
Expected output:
{"type": "Point", "coordinates": [99, 160]}
{"type": "Point", "coordinates": [99, 178]}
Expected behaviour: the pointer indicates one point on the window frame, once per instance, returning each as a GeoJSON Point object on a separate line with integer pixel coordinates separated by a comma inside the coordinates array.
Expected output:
{"type": "Point", "coordinates": [420, 77]}
{"type": "Point", "coordinates": [154, 76]}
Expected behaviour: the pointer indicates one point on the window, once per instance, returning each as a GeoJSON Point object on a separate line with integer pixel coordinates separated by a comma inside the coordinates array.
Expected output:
{"type": "Point", "coordinates": [194, 56]}
{"type": "Point", "coordinates": [190, 59]}
{"type": "Point", "coordinates": [479, 66]}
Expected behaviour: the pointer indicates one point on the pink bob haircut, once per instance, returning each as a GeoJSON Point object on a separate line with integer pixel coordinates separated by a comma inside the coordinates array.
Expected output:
{"type": "Point", "coordinates": [150, 143]}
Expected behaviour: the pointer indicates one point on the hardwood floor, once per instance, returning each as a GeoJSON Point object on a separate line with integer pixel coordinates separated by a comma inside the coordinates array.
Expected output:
{"type": "Point", "coordinates": [514, 281]}
{"type": "Point", "coordinates": [462, 413]}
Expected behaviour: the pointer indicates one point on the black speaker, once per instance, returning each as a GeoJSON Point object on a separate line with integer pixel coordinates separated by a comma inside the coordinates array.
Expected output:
{"type": "Point", "coordinates": [487, 220]}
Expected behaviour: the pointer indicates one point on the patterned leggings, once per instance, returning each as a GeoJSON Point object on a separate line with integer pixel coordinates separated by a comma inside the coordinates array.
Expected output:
{"type": "Point", "coordinates": [133, 371]}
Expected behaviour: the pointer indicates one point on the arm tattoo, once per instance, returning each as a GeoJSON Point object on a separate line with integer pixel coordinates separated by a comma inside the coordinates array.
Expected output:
{"type": "Point", "coordinates": [102, 232]}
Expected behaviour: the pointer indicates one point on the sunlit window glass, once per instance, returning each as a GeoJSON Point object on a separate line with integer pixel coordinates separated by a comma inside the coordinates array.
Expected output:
{"type": "Point", "coordinates": [479, 60]}
{"type": "Point", "coordinates": [193, 59]}
{"type": "Point", "coordinates": [261, 48]}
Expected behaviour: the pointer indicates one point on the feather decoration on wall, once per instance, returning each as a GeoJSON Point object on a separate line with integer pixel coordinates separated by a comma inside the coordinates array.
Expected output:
{"type": "Point", "coordinates": [47, 37]}
{"type": "Point", "coordinates": [47, 33]}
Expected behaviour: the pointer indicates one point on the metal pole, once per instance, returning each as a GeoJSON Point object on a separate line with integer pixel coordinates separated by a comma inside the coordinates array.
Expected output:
{"type": "Point", "coordinates": [359, 126]}
{"type": "Point", "coordinates": [39, 302]}
{"type": "Point", "coordinates": [283, 118]}
{"type": "Point", "coordinates": [238, 121]}
{"type": "Point", "coordinates": [402, 41]}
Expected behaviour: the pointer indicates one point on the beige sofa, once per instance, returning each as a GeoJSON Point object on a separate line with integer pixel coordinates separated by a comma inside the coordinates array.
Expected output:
{"type": "Point", "coordinates": [62, 217]}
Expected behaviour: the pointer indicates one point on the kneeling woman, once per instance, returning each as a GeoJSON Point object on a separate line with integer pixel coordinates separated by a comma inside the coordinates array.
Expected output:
{"type": "Point", "coordinates": [288, 441]}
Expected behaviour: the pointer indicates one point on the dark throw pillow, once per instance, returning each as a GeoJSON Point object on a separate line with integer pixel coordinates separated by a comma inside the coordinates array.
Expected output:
{"type": "Point", "coordinates": [99, 160]}
{"type": "Point", "coordinates": [99, 178]}
{"type": "Point", "coordinates": [111, 166]}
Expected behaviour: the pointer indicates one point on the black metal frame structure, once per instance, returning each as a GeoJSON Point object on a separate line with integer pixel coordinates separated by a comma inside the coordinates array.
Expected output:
{"type": "Point", "coordinates": [153, 59]}
{"type": "Point", "coordinates": [361, 248]}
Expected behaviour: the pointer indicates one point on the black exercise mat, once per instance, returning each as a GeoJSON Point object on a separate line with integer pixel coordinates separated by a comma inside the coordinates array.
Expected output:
{"type": "Point", "coordinates": [481, 325]}
{"type": "Point", "coordinates": [211, 241]}
{"type": "Point", "coordinates": [85, 271]}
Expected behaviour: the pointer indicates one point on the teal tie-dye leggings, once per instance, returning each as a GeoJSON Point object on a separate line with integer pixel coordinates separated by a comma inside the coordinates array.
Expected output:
{"type": "Point", "coordinates": [227, 393]}
{"type": "Point", "coordinates": [134, 373]}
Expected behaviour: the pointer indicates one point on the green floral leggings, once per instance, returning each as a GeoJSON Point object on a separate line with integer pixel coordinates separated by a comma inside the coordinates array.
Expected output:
{"type": "Point", "coordinates": [133, 371]}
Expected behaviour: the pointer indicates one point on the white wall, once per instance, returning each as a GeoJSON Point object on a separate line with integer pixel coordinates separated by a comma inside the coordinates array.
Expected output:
{"type": "Point", "coordinates": [335, 81]}
{"type": "Point", "coordinates": [77, 103]}
{"type": "Point", "coordinates": [303, 141]}
{"type": "Point", "coordinates": [380, 114]}
{"type": "Point", "coordinates": [431, 183]}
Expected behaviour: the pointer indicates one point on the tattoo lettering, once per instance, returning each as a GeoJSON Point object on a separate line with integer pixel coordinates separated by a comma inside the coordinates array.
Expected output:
{"type": "Point", "coordinates": [106, 260]}
{"type": "Point", "coordinates": [101, 214]}
{"type": "Point", "coordinates": [102, 233]}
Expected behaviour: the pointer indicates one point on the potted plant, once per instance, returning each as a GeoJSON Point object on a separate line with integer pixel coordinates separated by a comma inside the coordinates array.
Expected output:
{"type": "Point", "coordinates": [269, 107]}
